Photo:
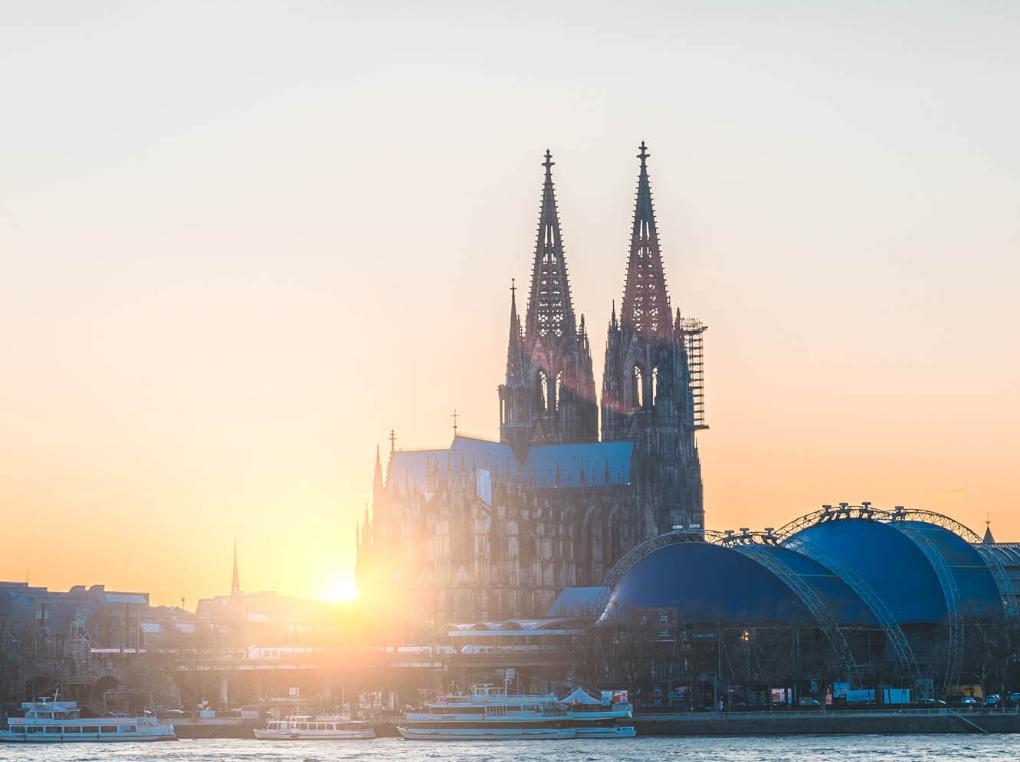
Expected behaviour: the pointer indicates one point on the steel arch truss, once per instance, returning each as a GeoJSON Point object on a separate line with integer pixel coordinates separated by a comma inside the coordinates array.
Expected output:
{"type": "Point", "coordinates": [900, 514]}
{"type": "Point", "coordinates": [635, 554]}
{"type": "Point", "coordinates": [951, 593]}
{"type": "Point", "coordinates": [866, 511]}
{"type": "Point", "coordinates": [885, 617]}
{"type": "Point", "coordinates": [811, 600]}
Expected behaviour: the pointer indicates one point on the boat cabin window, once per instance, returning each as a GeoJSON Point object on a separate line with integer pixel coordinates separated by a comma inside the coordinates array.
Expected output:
{"type": "Point", "coordinates": [35, 729]}
{"type": "Point", "coordinates": [108, 729]}
{"type": "Point", "coordinates": [127, 728]}
{"type": "Point", "coordinates": [53, 729]}
{"type": "Point", "coordinates": [72, 728]}
{"type": "Point", "coordinates": [18, 729]}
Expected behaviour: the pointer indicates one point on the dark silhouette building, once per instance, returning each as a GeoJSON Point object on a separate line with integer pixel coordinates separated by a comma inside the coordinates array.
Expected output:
{"type": "Point", "coordinates": [495, 530]}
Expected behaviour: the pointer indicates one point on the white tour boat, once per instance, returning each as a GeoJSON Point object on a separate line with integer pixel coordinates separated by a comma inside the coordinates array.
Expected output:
{"type": "Point", "coordinates": [310, 728]}
{"type": "Point", "coordinates": [599, 718]}
{"type": "Point", "coordinates": [48, 721]}
{"type": "Point", "coordinates": [487, 715]}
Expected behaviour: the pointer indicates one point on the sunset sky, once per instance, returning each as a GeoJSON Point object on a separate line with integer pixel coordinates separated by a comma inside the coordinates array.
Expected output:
{"type": "Point", "coordinates": [240, 241]}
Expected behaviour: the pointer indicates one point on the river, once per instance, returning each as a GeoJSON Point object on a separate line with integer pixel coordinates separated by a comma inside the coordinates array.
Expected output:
{"type": "Point", "coordinates": [792, 749]}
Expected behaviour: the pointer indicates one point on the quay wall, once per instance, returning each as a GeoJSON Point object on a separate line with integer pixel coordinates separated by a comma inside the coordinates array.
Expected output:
{"type": "Point", "coordinates": [818, 722]}
{"type": "Point", "coordinates": [778, 723]}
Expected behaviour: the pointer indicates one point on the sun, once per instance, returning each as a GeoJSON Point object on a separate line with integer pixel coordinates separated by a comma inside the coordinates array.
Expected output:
{"type": "Point", "coordinates": [340, 591]}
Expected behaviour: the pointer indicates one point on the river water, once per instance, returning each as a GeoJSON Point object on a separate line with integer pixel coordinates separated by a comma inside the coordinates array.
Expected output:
{"type": "Point", "coordinates": [793, 749]}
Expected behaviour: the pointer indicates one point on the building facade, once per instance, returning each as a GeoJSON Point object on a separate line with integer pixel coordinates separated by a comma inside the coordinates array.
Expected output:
{"type": "Point", "coordinates": [494, 530]}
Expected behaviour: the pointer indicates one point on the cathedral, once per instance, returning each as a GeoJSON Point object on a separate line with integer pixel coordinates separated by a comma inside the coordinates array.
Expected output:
{"type": "Point", "coordinates": [486, 530]}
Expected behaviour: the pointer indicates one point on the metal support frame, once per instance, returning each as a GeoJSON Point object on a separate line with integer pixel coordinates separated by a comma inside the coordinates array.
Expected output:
{"type": "Point", "coordinates": [951, 592]}
{"type": "Point", "coordinates": [1002, 580]}
{"type": "Point", "coordinates": [885, 617]}
{"type": "Point", "coordinates": [811, 600]}
{"type": "Point", "coordinates": [901, 514]}
{"type": "Point", "coordinates": [694, 343]}
{"type": "Point", "coordinates": [635, 554]}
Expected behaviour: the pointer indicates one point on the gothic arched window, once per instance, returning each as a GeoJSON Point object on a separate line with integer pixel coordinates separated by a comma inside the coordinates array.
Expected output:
{"type": "Point", "coordinates": [541, 392]}
{"type": "Point", "coordinates": [638, 397]}
{"type": "Point", "coordinates": [655, 386]}
{"type": "Point", "coordinates": [558, 391]}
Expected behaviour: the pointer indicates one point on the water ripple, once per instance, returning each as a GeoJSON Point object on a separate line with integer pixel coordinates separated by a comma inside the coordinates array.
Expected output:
{"type": "Point", "coordinates": [921, 748]}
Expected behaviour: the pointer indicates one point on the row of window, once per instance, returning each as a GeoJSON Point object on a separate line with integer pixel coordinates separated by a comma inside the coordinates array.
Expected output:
{"type": "Point", "coordinates": [323, 726]}
{"type": "Point", "coordinates": [549, 395]}
{"type": "Point", "coordinates": [55, 729]}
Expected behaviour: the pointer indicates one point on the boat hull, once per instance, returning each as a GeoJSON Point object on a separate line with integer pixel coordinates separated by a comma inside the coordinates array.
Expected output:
{"type": "Point", "coordinates": [325, 735]}
{"type": "Point", "coordinates": [35, 738]}
{"type": "Point", "coordinates": [624, 731]}
{"type": "Point", "coordinates": [484, 734]}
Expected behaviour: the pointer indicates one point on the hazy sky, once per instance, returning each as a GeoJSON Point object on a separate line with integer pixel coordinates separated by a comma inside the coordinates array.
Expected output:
{"type": "Point", "coordinates": [240, 241]}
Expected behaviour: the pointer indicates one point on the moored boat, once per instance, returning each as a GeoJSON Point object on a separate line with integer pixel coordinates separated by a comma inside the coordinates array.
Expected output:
{"type": "Point", "coordinates": [608, 717]}
{"type": "Point", "coordinates": [315, 728]}
{"type": "Point", "coordinates": [486, 715]}
{"type": "Point", "coordinates": [48, 721]}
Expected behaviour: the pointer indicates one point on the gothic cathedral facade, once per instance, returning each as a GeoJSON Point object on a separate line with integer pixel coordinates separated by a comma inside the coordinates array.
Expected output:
{"type": "Point", "coordinates": [488, 530]}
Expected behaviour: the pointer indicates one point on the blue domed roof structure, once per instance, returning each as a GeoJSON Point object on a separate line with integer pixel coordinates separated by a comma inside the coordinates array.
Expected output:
{"type": "Point", "coordinates": [967, 580]}
{"type": "Point", "coordinates": [707, 584]}
{"type": "Point", "coordinates": [842, 604]}
{"type": "Point", "coordinates": [917, 580]}
{"type": "Point", "coordinates": [876, 559]}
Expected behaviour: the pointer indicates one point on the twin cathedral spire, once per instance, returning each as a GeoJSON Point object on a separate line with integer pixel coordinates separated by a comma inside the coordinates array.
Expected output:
{"type": "Point", "coordinates": [647, 393]}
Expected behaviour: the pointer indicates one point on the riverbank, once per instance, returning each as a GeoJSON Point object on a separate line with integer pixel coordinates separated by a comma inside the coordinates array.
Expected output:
{"type": "Point", "coordinates": [821, 722]}
{"type": "Point", "coordinates": [771, 723]}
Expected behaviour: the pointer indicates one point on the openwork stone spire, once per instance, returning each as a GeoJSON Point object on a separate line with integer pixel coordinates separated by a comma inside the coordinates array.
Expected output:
{"type": "Point", "coordinates": [550, 312]}
{"type": "Point", "coordinates": [645, 306]}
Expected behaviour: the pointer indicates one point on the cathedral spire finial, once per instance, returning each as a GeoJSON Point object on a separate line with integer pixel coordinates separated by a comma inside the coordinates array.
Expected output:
{"type": "Point", "coordinates": [644, 154]}
{"type": "Point", "coordinates": [548, 163]}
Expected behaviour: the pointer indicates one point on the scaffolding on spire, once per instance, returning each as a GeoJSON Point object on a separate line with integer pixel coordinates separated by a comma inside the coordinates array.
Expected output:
{"type": "Point", "coordinates": [693, 332]}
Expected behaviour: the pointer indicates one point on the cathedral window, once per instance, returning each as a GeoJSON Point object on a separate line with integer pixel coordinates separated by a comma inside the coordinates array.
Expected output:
{"type": "Point", "coordinates": [638, 396]}
{"type": "Point", "coordinates": [541, 393]}
{"type": "Point", "coordinates": [655, 386]}
{"type": "Point", "coordinates": [558, 391]}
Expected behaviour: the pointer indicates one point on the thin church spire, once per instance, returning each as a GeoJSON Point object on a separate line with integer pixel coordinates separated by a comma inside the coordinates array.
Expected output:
{"type": "Point", "coordinates": [235, 583]}
{"type": "Point", "coordinates": [515, 365]}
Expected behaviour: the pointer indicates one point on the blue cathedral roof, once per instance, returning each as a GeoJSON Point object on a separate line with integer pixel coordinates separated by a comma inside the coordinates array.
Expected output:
{"type": "Point", "coordinates": [592, 464]}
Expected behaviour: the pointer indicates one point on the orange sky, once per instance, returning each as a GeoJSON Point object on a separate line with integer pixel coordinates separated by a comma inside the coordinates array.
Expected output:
{"type": "Point", "coordinates": [225, 275]}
